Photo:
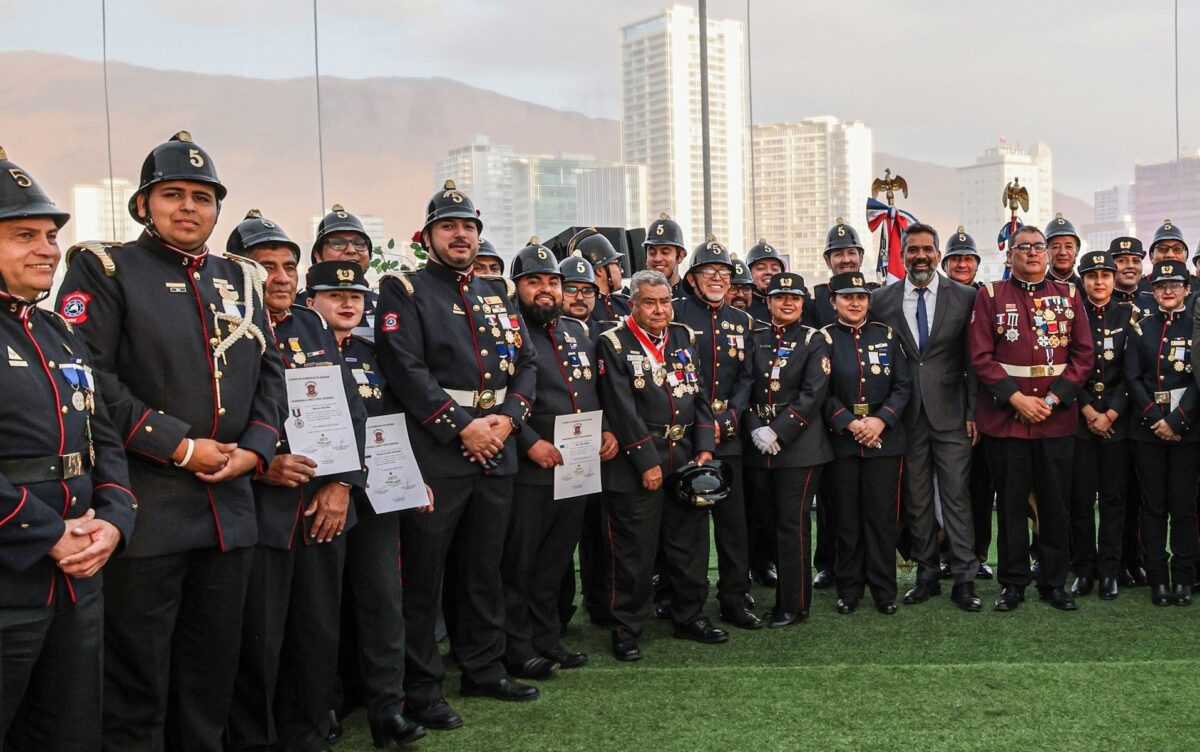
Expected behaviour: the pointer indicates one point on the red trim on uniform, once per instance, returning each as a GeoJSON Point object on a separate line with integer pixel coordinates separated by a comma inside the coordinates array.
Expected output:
{"type": "Point", "coordinates": [272, 428]}
{"type": "Point", "coordinates": [805, 566]}
{"type": "Point", "coordinates": [612, 558]}
{"type": "Point", "coordinates": [890, 410]}
{"type": "Point", "coordinates": [437, 412]}
{"type": "Point", "coordinates": [117, 486]}
{"type": "Point", "coordinates": [798, 414]}
{"type": "Point", "coordinates": [639, 441]}
{"type": "Point", "coordinates": [712, 392]}
{"type": "Point", "coordinates": [462, 291]}
{"type": "Point", "coordinates": [70, 587]}
{"type": "Point", "coordinates": [62, 433]}
{"type": "Point", "coordinates": [129, 438]}
{"type": "Point", "coordinates": [1184, 414]}
{"type": "Point", "coordinates": [20, 504]}
{"type": "Point", "coordinates": [562, 369]}
{"type": "Point", "coordinates": [212, 503]}
{"type": "Point", "coordinates": [899, 483]}
{"type": "Point", "coordinates": [839, 412]}
{"type": "Point", "coordinates": [53, 584]}
{"type": "Point", "coordinates": [522, 397]}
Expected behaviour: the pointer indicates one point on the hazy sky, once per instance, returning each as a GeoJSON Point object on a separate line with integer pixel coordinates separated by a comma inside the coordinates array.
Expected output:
{"type": "Point", "coordinates": [936, 80]}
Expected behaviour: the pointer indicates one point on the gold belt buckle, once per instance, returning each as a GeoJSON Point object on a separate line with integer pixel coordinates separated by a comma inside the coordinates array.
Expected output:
{"type": "Point", "coordinates": [72, 465]}
{"type": "Point", "coordinates": [675, 433]}
{"type": "Point", "coordinates": [1098, 387]}
{"type": "Point", "coordinates": [1037, 371]}
{"type": "Point", "coordinates": [861, 409]}
{"type": "Point", "coordinates": [1162, 398]}
{"type": "Point", "coordinates": [486, 399]}
{"type": "Point", "coordinates": [719, 405]}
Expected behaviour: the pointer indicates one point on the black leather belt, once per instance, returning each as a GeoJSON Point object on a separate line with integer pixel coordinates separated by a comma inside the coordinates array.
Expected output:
{"type": "Point", "coordinates": [674, 433]}
{"type": "Point", "coordinates": [42, 469]}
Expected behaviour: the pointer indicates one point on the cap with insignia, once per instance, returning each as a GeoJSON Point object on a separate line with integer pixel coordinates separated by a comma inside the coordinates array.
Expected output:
{"type": "Point", "coordinates": [762, 251]}
{"type": "Point", "coordinates": [664, 231]}
{"type": "Point", "coordinates": [787, 283]}
{"type": "Point", "coordinates": [21, 197]}
{"type": "Point", "coordinates": [1126, 246]}
{"type": "Point", "coordinates": [710, 252]}
{"type": "Point", "coordinates": [336, 275]}
{"type": "Point", "coordinates": [534, 258]}
{"type": "Point", "coordinates": [849, 283]}
{"type": "Point", "coordinates": [1169, 271]}
{"type": "Point", "coordinates": [256, 230]}
{"type": "Point", "coordinates": [960, 244]}
{"type": "Point", "coordinates": [1094, 261]}
{"type": "Point", "coordinates": [842, 235]}
{"type": "Point", "coordinates": [1168, 231]}
{"type": "Point", "coordinates": [1060, 227]}
{"type": "Point", "coordinates": [179, 158]}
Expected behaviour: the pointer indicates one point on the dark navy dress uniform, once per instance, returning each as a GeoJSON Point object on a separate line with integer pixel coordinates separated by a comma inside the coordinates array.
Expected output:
{"type": "Point", "coordinates": [610, 308]}
{"type": "Point", "coordinates": [1102, 464]}
{"type": "Point", "coordinates": [662, 418]}
{"type": "Point", "coordinates": [1158, 374]}
{"type": "Point", "coordinates": [791, 374]}
{"type": "Point", "coordinates": [290, 627]}
{"type": "Point", "coordinates": [543, 531]}
{"type": "Point", "coordinates": [155, 317]}
{"type": "Point", "coordinates": [59, 457]}
{"type": "Point", "coordinates": [723, 343]}
{"type": "Point", "coordinates": [365, 328]}
{"type": "Point", "coordinates": [453, 348]}
{"type": "Point", "coordinates": [870, 378]}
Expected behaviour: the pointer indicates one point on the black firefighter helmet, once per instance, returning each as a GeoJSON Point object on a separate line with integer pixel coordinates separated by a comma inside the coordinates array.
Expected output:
{"type": "Point", "coordinates": [451, 203]}
{"type": "Point", "coordinates": [761, 251]}
{"type": "Point", "coordinates": [701, 486]}
{"type": "Point", "coordinates": [338, 220]}
{"type": "Point", "coordinates": [21, 197]}
{"type": "Point", "coordinates": [664, 231]}
{"type": "Point", "coordinates": [256, 230]}
{"type": "Point", "coordinates": [534, 258]}
{"type": "Point", "coordinates": [576, 270]}
{"type": "Point", "coordinates": [842, 235]}
{"type": "Point", "coordinates": [710, 252]}
{"type": "Point", "coordinates": [594, 247]}
{"type": "Point", "coordinates": [177, 159]}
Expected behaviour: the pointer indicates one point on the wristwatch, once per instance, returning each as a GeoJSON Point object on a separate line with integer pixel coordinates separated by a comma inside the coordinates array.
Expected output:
{"type": "Point", "coordinates": [1051, 400]}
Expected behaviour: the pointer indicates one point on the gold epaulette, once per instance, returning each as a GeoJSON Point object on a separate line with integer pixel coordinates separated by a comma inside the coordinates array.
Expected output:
{"type": "Point", "coordinates": [100, 250]}
{"type": "Point", "coordinates": [403, 279]}
{"type": "Point", "coordinates": [885, 326]}
{"type": "Point", "coordinates": [509, 286]}
{"type": "Point", "coordinates": [691, 332]}
{"type": "Point", "coordinates": [808, 337]}
{"type": "Point", "coordinates": [613, 339]}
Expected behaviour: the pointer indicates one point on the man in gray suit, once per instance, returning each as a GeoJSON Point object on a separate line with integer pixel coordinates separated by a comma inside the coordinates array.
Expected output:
{"type": "Point", "coordinates": [930, 314]}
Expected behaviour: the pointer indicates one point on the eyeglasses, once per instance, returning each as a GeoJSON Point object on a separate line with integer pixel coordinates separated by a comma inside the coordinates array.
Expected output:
{"type": "Point", "coordinates": [341, 244]}
{"type": "Point", "coordinates": [1030, 248]}
{"type": "Point", "coordinates": [711, 273]}
{"type": "Point", "coordinates": [1168, 286]}
{"type": "Point", "coordinates": [1170, 248]}
{"type": "Point", "coordinates": [587, 292]}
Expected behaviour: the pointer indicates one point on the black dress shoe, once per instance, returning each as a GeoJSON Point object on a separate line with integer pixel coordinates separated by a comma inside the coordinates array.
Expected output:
{"type": "Point", "coordinates": [785, 618]}
{"type": "Point", "coordinates": [944, 572]}
{"type": "Point", "coordinates": [824, 579]}
{"type": "Point", "coordinates": [1010, 598]}
{"type": "Point", "coordinates": [662, 609]}
{"type": "Point", "coordinates": [1035, 568]}
{"type": "Point", "coordinates": [963, 595]}
{"type": "Point", "coordinates": [701, 630]}
{"type": "Point", "coordinates": [534, 668]}
{"type": "Point", "coordinates": [1108, 588]}
{"type": "Point", "coordinates": [437, 715]}
{"type": "Point", "coordinates": [566, 658]}
{"type": "Point", "coordinates": [748, 602]}
{"type": "Point", "coordinates": [985, 572]}
{"type": "Point", "coordinates": [741, 618]}
{"type": "Point", "coordinates": [1160, 595]}
{"type": "Point", "coordinates": [1058, 598]}
{"type": "Point", "coordinates": [1138, 573]}
{"type": "Point", "coordinates": [1183, 595]}
{"type": "Point", "coordinates": [625, 647]}
{"type": "Point", "coordinates": [846, 605]}
{"type": "Point", "coordinates": [502, 689]}
{"type": "Point", "coordinates": [887, 608]}
{"type": "Point", "coordinates": [766, 576]}
{"type": "Point", "coordinates": [335, 727]}
{"type": "Point", "coordinates": [1082, 586]}
{"type": "Point", "coordinates": [922, 591]}
{"type": "Point", "coordinates": [396, 731]}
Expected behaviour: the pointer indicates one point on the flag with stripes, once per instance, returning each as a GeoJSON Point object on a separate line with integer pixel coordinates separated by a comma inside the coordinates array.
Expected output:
{"type": "Point", "coordinates": [894, 222]}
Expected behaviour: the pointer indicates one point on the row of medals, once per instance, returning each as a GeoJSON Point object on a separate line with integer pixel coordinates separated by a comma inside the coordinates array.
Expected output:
{"type": "Point", "coordinates": [659, 375]}
{"type": "Point", "coordinates": [1179, 366]}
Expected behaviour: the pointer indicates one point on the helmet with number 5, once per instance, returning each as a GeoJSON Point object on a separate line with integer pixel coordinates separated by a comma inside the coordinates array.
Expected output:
{"type": "Point", "coordinates": [177, 159]}
{"type": "Point", "coordinates": [534, 258]}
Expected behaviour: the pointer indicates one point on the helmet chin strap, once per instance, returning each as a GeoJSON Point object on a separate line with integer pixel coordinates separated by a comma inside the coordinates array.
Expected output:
{"type": "Point", "coordinates": [433, 251]}
{"type": "Point", "coordinates": [154, 233]}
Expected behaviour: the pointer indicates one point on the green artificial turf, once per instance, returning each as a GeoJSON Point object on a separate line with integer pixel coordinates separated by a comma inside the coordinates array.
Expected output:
{"type": "Point", "coordinates": [1119, 675]}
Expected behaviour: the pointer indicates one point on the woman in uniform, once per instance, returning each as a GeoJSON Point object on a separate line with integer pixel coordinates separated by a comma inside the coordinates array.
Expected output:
{"type": "Point", "coordinates": [868, 389]}
{"type": "Point", "coordinates": [791, 370]}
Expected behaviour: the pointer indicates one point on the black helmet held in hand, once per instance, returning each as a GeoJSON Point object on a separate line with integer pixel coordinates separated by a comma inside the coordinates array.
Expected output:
{"type": "Point", "coordinates": [701, 486]}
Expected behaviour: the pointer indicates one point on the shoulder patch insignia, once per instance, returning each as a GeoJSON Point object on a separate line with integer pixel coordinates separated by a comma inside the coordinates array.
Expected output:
{"type": "Point", "coordinates": [75, 307]}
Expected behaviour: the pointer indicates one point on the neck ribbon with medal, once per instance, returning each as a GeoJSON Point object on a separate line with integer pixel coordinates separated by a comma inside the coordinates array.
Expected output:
{"type": "Point", "coordinates": [83, 386]}
{"type": "Point", "coordinates": [653, 361]}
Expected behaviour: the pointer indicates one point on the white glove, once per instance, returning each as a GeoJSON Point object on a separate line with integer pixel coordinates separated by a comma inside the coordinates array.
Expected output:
{"type": "Point", "coordinates": [766, 440]}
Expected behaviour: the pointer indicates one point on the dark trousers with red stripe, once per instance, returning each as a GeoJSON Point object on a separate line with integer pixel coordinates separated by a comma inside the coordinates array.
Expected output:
{"type": "Point", "coordinates": [1043, 467]}
{"type": "Point", "coordinates": [1168, 475]}
{"type": "Point", "coordinates": [1099, 478]}
{"type": "Point", "coordinates": [541, 537]}
{"type": "Point", "coordinates": [867, 492]}
{"type": "Point", "coordinates": [50, 675]}
{"type": "Point", "coordinates": [788, 494]}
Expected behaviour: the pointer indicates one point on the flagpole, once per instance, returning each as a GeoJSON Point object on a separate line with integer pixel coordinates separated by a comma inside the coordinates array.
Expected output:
{"type": "Point", "coordinates": [704, 118]}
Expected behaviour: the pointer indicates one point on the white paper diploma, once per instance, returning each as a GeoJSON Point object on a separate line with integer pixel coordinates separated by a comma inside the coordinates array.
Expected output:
{"type": "Point", "coordinates": [393, 478]}
{"type": "Point", "coordinates": [318, 422]}
{"type": "Point", "coordinates": [577, 438]}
